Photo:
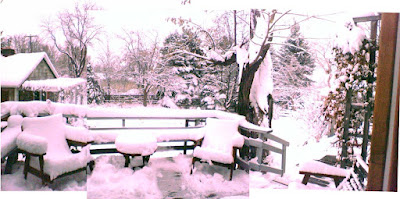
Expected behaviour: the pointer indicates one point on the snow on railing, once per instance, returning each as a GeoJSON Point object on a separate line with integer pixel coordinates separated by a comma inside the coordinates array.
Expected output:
{"type": "Point", "coordinates": [258, 147]}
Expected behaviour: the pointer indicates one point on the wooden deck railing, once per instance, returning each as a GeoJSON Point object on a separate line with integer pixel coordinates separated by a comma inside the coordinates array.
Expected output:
{"type": "Point", "coordinates": [256, 146]}
{"type": "Point", "coordinates": [188, 123]}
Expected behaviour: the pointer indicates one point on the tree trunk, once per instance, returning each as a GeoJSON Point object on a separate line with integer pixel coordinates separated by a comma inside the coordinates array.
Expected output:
{"type": "Point", "coordinates": [244, 107]}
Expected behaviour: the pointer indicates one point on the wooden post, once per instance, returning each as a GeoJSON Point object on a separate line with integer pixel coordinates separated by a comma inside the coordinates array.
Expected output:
{"type": "Point", "coordinates": [185, 142]}
{"type": "Point", "coordinates": [383, 97]}
{"type": "Point", "coordinates": [346, 126]}
{"type": "Point", "coordinates": [283, 159]}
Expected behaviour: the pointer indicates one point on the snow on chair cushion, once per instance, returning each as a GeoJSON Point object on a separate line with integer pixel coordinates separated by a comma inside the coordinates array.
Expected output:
{"type": "Point", "coordinates": [136, 143]}
{"type": "Point", "coordinates": [32, 143]}
{"type": "Point", "coordinates": [10, 134]}
{"type": "Point", "coordinates": [219, 139]}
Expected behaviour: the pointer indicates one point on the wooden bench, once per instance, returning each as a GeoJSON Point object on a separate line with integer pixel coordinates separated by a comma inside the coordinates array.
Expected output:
{"type": "Point", "coordinates": [352, 179]}
{"type": "Point", "coordinates": [316, 168]}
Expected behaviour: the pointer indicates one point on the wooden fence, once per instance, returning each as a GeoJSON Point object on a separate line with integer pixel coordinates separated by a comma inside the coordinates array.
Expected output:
{"type": "Point", "coordinates": [151, 99]}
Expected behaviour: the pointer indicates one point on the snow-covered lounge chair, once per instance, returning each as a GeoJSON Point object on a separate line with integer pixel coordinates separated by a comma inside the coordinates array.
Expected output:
{"type": "Point", "coordinates": [48, 155]}
{"type": "Point", "coordinates": [9, 136]}
{"type": "Point", "coordinates": [220, 143]}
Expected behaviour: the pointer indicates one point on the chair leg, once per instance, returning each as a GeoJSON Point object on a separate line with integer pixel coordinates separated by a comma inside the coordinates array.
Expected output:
{"type": "Point", "coordinates": [305, 179]}
{"type": "Point", "coordinates": [91, 165]}
{"type": "Point", "coordinates": [26, 165]}
{"type": "Point", "coordinates": [232, 168]}
{"type": "Point", "coordinates": [193, 162]}
{"type": "Point", "coordinates": [146, 160]}
{"type": "Point", "coordinates": [41, 164]}
{"type": "Point", "coordinates": [11, 159]}
{"type": "Point", "coordinates": [127, 160]}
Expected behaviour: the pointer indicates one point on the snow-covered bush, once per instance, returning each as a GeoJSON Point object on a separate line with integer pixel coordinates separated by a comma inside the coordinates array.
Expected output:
{"type": "Point", "coordinates": [354, 72]}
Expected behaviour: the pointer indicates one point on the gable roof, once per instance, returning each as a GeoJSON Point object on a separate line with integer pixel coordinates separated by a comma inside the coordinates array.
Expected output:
{"type": "Point", "coordinates": [16, 69]}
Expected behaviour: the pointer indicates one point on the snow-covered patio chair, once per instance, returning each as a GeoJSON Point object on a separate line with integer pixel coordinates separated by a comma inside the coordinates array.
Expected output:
{"type": "Point", "coordinates": [48, 156]}
{"type": "Point", "coordinates": [9, 136]}
{"type": "Point", "coordinates": [220, 143]}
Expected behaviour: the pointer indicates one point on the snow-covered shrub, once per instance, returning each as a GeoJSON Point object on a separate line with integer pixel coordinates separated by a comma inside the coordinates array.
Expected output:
{"type": "Point", "coordinates": [355, 72]}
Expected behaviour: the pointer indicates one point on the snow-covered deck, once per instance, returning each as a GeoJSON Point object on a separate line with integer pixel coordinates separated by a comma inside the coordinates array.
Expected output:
{"type": "Point", "coordinates": [207, 181]}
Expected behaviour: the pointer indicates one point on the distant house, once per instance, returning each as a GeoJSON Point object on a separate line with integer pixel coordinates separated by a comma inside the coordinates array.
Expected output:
{"type": "Point", "coordinates": [32, 76]}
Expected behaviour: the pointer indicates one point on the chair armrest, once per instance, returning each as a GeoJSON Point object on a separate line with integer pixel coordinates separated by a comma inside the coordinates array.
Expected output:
{"type": "Point", "coordinates": [78, 136]}
{"type": "Point", "coordinates": [33, 144]}
{"type": "Point", "coordinates": [237, 141]}
{"type": "Point", "coordinates": [198, 142]}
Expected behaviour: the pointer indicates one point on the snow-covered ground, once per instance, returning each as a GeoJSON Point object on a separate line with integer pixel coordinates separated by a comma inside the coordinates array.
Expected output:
{"type": "Point", "coordinates": [168, 177]}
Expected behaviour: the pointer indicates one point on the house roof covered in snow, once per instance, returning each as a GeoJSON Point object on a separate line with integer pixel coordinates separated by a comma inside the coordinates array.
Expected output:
{"type": "Point", "coordinates": [16, 69]}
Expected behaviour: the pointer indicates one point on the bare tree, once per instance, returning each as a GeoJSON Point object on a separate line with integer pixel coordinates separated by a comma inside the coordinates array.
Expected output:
{"type": "Point", "coordinates": [77, 31]}
{"type": "Point", "coordinates": [109, 65]}
{"type": "Point", "coordinates": [142, 55]}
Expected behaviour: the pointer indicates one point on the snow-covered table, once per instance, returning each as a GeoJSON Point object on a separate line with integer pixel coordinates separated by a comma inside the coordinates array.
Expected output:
{"type": "Point", "coordinates": [136, 144]}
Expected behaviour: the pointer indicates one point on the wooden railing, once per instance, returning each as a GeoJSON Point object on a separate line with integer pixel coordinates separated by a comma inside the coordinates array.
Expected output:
{"type": "Point", "coordinates": [256, 146]}
{"type": "Point", "coordinates": [188, 123]}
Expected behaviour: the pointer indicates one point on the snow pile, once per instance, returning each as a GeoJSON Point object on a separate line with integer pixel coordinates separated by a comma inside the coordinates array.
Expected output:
{"type": "Point", "coordinates": [219, 139]}
{"type": "Point", "coordinates": [32, 143]}
{"type": "Point", "coordinates": [110, 180]}
{"type": "Point", "coordinates": [168, 102]}
{"type": "Point", "coordinates": [136, 144]}
{"type": "Point", "coordinates": [53, 85]}
{"type": "Point", "coordinates": [350, 39]}
{"type": "Point", "coordinates": [58, 159]}
{"type": "Point", "coordinates": [10, 134]}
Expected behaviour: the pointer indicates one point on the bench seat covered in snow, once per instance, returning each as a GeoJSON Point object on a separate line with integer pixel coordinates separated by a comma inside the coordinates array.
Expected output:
{"type": "Point", "coordinates": [317, 168]}
{"type": "Point", "coordinates": [353, 179]}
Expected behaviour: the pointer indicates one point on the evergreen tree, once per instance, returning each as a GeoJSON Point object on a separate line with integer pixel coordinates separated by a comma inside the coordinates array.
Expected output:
{"type": "Point", "coordinates": [95, 92]}
{"type": "Point", "coordinates": [293, 66]}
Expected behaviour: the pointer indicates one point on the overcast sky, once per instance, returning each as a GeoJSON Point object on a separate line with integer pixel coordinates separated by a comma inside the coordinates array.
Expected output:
{"type": "Point", "coordinates": [25, 16]}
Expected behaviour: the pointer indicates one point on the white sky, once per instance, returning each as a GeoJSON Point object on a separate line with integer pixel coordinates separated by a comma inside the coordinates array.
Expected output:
{"type": "Point", "coordinates": [25, 16]}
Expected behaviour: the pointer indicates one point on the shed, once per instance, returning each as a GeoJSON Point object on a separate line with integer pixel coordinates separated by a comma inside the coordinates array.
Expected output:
{"type": "Point", "coordinates": [32, 76]}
